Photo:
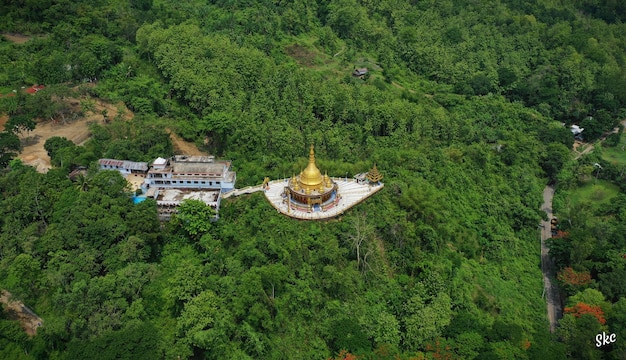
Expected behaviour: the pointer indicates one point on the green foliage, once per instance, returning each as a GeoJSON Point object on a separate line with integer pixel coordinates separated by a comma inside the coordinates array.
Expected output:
{"type": "Point", "coordinates": [24, 276]}
{"type": "Point", "coordinates": [556, 156]}
{"type": "Point", "coordinates": [616, 154]}
{"type": "Point", "coordinates": [594, 193]}
{"type": "Point", "coordinates": [135, 140]}
{"type": "Point", "coordinates": [425, 321]}
{"type": "Point", "coordinates": [9, 145]}
{"type": "Point", "coordinates": [556, 134]}
{"type": "Point", "coordinates": [442, 261]}
{"type": "Point", "coordinates": [194, 218]}
{"type": "Point", "coordinates": [579, 336]}
{"type": "Point", "coordinates": [19, 123]}
{"type": "Point", "coordinates": [60, 148]}
{"type": "Point", "coordinates": [204, 324]}
{"type": "Point", "coordinates": [13, 339]}
{"type": "Point", "coordinates": [137, 341]}
{"type": "Point", "coordinates": [347, 335]}
{"type": "Point", "coordinates": [616, 324]}
{"type": "Point", "coordinates": [613, 139]}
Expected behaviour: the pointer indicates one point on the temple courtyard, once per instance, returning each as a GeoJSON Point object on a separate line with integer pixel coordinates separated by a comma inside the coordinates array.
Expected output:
{"type": "Point", "coordinates": [350, 192]}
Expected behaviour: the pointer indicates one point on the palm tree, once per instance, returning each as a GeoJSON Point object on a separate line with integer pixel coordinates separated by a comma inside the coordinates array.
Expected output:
{"type": "Point", "coordinates": [82, 183]}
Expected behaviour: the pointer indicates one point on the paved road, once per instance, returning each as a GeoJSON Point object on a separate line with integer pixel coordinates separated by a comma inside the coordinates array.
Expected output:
{"type": "Point", "coordinates": [551, 290]}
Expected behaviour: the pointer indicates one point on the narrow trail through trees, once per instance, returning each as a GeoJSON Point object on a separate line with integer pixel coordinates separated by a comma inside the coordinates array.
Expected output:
{"type": "Point", "coordinates": [551, 290]}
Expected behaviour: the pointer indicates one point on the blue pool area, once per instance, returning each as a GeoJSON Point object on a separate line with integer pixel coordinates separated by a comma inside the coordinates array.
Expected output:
{"type": "Point", "coordinates": [138, 199]}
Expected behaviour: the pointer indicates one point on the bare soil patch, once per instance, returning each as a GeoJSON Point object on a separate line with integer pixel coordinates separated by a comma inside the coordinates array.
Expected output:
{"type": "Point", "coordinates": [577, 144]}
{"type": "Point", "coordinates": [16, 37]}
{"type": "Point", "coordinates": [302, 55]}
{"type": "Point", "coordinates": [16, 310]}
{"type": "Point", "coordinates": [3, 120]}
{"type": "Point", "coordinates": [77, 131]}
{"type": "Point", "coordinates": [182, 147]}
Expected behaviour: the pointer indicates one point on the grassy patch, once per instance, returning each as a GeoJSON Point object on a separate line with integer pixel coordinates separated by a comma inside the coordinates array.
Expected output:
{"type": "Point", "coordinates": [307, 53]}
{"type": "Point", "coordinates": [339, 66]}
{"type": "Point", "coordinates": [302, 55]}
{"type": "Point", "coordinates": [595, 192]}
{"type": "Point", "coordinates": [617, 154]}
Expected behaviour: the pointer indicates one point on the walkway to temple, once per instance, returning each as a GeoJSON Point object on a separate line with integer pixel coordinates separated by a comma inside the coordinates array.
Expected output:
{"type": "Point", "coordinates": [350, 191]}
{"type": "Point", "coordinates": [246, 190]}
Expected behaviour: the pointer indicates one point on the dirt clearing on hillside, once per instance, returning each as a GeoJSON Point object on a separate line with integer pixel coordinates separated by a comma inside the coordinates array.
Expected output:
{"type": "Point", "coordinates": [182, 147]}
{"type": "Point", "coordinates": [77, 131]}
{"type": "Point", "coordinates": [302, 55]}
{"type": "Point", "coordinates": [16, 310]}
{"type": "Point", "coordinates": [16, 38]}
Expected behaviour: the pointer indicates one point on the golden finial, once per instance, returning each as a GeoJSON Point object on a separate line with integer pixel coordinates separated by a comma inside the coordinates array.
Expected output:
{"type": "Point", "coordinates": [312, 155]}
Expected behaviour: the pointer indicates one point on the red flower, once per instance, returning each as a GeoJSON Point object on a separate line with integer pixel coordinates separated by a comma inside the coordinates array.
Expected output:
{"type": "Point", "coordinates": [571, 277]}
{"type": "Point", "coordinates": [581, 308]}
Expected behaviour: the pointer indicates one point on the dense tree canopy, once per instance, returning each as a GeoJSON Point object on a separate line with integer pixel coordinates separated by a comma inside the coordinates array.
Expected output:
{"type": "Point", "coordinates": [461, 111]}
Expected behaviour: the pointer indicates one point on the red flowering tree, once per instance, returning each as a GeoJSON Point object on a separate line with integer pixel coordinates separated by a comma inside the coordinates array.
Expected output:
{"type": "Point", "coordinates": [572, 281]}
{"type": "Point", "coordinates": [344, 355]}
{"type": "Point", "coordinates": [570, 277]}
{"type": "Point", "coordinates": [440, 351]}
{"type": "Point", "coordinates": [581, 308]}
{"type": "Point", "coordinates": [561, 234]}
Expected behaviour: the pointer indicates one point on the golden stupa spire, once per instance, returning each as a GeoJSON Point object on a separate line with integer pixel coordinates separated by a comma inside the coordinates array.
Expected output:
{"type": "Point", "coordinates": [327, 180]}
{"type": "Point", "coordinates": [294, 183]}
{"type": "Point", "coordinates": [311, 155]}
{"type": "Point", "coordinates": [310, 177]}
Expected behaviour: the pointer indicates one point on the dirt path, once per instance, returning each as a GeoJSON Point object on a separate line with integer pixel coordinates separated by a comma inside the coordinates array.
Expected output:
{"type": "Point", "coordinates": [29, 321]}
{"type": "Point", "coordinates": [590, 147]}
{"type": "Point", "coordinates": [551, 290]}
{"type": "Point", "coordinates": [587, 150]}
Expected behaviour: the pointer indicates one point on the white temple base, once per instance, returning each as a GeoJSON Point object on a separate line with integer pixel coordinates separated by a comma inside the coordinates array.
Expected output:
{"type": "Point", "coordinates": [350, 191]}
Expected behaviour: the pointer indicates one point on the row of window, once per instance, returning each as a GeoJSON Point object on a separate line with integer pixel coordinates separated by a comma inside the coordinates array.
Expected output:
{"type": "Point", "coordinates": [186, 182]}
{"type": "Point", "coordinates": [157, 175]}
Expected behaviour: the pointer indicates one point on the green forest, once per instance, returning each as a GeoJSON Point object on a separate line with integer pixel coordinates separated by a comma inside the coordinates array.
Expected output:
{"type": "Point", "coordinates": [465, 110]}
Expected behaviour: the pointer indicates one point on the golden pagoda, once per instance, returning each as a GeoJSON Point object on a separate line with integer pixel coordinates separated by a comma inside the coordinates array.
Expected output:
{"type": "Point", "coordinates": [311, 178]}
{"type": "Point", "coordinates": [310, 188]}
{"type": "Point", "coordinates": [374, 176]}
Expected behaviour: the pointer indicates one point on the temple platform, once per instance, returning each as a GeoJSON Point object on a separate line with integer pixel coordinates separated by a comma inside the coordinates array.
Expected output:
{"type": "Point", "coordinates": [351, 193]}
